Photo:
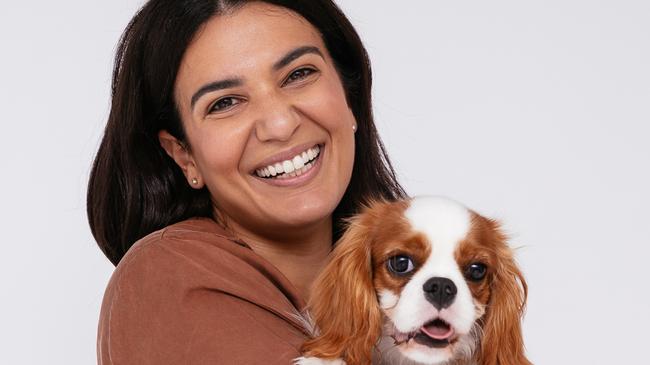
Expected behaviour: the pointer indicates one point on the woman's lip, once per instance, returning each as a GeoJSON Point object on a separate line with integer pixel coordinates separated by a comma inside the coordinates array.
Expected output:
{"type": "Point", "coordinates": [285, 155]}
{"type": "Point", "coordinates": [297, 180]}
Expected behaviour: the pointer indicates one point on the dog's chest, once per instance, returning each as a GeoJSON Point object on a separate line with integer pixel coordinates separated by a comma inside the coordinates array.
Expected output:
{"type": "Point", "coordinates": [386, 354]}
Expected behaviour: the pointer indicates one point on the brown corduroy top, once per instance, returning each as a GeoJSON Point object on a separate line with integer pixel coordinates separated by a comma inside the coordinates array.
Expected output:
{"type": "Point", "coordinates": [193, 294]}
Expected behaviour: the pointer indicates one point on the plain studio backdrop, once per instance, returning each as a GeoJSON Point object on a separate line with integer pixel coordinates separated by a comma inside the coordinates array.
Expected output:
{"type": "Point", "coordinates": [533, 112]}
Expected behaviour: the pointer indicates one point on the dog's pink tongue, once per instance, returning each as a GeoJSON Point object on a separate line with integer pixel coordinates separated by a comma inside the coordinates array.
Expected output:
{"type": "Point", "coordinates": [438, 330]}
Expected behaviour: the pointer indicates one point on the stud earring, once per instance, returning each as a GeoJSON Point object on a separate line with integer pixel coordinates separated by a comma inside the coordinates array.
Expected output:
{"type": "Point", "coordinates": [354, 128]}
{"type": "Point", "coordinates": [195, 181]}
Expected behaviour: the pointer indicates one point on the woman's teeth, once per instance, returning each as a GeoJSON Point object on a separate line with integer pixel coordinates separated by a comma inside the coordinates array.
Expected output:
{"type": "Point", "coordinates": [297, 166]}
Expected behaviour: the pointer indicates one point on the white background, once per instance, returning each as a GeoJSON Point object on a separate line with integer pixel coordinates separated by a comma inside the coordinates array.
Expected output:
{"type": "Point", "coordinates": [533, 112]}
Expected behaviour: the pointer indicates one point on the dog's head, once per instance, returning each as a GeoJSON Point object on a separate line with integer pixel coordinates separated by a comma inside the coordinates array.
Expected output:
{"type": "Point", "coordinates": [435, 276]}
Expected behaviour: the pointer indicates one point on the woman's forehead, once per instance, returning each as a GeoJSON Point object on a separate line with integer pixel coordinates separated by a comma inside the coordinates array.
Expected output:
{"type": "Point", "coordinates": [250, 38]}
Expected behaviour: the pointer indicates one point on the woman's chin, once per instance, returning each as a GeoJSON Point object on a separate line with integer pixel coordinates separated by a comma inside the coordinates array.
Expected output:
{"type": "Point", "coordinates": [300, 219]}
{"type": "Point", "coordinates": [301, 209]}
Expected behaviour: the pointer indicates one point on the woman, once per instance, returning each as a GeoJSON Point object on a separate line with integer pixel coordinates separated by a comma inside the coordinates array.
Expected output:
{"type": "Point", "coordinates": [240, 136]}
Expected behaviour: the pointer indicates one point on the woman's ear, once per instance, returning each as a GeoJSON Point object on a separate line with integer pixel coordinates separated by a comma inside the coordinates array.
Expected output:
{"type": "Point", "coordinates": [502, 342]}
{"type": "Point", "coordinates": [344, 304]}
{"type": "Point", "coordinates": [180, 153]}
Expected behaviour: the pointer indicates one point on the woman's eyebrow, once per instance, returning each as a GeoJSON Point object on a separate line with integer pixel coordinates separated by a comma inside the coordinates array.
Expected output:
{"type": "Point", "coordinates": [214, 86]}
{"type": "Point", "coordinates": [228, 83]}
{"type": "Point", "coordinates": [296, 53]}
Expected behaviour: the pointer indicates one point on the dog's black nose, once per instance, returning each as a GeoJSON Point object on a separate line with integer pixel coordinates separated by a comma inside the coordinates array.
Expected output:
{"type": "Point", "coordinates": [441, 292]}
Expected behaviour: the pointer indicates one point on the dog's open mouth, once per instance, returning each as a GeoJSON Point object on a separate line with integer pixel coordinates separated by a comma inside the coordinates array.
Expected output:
{"type": "Point", "coordinates": [436, 333]}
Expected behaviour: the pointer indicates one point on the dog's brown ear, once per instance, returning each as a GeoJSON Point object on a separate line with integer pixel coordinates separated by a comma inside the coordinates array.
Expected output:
{"type": "Point", "coordinates": [502, 342]}
{"type": "Point", "coordinates": [343, 302]}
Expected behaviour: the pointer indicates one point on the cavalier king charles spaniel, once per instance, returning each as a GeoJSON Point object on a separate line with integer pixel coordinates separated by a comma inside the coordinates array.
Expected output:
{"type": "Point", "coordinates": [420, 281]}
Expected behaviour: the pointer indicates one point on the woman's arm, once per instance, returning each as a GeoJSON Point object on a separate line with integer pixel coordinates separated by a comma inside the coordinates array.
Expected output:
{"type": "Point", "coordinates": [163, 306]}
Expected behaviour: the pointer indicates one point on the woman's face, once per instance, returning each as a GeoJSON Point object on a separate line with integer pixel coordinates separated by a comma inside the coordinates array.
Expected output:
{"type": "Point", "coordinates": [256, 88]}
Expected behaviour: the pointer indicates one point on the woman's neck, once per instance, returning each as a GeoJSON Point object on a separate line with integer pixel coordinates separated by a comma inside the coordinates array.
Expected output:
{"type": "Point", "coordinates": [299, 256]}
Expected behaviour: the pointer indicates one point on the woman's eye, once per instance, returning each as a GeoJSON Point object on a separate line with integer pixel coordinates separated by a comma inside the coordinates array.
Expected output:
{"type": "Point", "coordinates": [224, 104]}
{"type": "Point", "coordinates": [299, 74]}
{"type": "Point", "coordinates": [476, 271]}
{"type": "Point", "coordinates": [400, 264]}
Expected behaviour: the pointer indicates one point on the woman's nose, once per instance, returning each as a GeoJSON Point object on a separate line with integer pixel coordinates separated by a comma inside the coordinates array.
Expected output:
{"type": "Point", "coordinates": [277, 119]}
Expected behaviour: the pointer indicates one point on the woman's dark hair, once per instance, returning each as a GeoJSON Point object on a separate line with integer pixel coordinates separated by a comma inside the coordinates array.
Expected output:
{"type": "Point", "coordinates": [135, 188]}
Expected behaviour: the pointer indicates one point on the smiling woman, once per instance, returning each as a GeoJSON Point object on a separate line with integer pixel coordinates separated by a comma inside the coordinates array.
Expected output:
{"type": "Point", "coordinates": [240, 138]}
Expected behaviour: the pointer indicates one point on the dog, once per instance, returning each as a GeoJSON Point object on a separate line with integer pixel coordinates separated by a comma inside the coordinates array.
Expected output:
{"type": "Point", "coordinates": [419, 281]}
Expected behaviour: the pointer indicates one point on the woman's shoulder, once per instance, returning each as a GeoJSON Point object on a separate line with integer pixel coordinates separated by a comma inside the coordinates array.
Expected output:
{"type": "Point", "coordinates": [179, 249]}
{"type": "Point", "coordinates": [198, 253]}
{"type": "Point", "coordinates": [196, 233]}
{"type": "Point", "coordinates": [186, 290]}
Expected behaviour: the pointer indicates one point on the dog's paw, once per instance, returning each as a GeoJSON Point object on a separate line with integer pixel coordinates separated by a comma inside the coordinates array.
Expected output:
{"type": "Point", "coordinates": [317, 361]}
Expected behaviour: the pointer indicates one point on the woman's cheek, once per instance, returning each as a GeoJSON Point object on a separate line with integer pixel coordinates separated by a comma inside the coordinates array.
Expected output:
{"type": "Point", "coordinates": [326, 104]}
{"type": "Point", "coordinates": [222, 145]}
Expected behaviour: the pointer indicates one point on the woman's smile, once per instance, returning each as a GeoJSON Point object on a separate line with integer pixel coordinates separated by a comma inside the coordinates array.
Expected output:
{"type": "Point", "coordinates": [296, 170]}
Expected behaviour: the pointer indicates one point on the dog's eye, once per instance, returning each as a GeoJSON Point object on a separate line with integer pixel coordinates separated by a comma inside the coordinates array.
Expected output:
{"type": "Point", "coordinates": [400, 264]}
{"type": "Point", "coordinates": [476, 271]}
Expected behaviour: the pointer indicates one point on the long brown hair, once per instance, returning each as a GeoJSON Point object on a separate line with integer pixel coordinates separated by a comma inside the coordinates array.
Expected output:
{"type": "Point", "coordinates": [135, 188]}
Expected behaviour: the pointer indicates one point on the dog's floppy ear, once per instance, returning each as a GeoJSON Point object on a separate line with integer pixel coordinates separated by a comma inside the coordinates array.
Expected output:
{"type": "Point", "coordinates": [343, 302]}
{"type": "Point", "coordinates": [502, 342]}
